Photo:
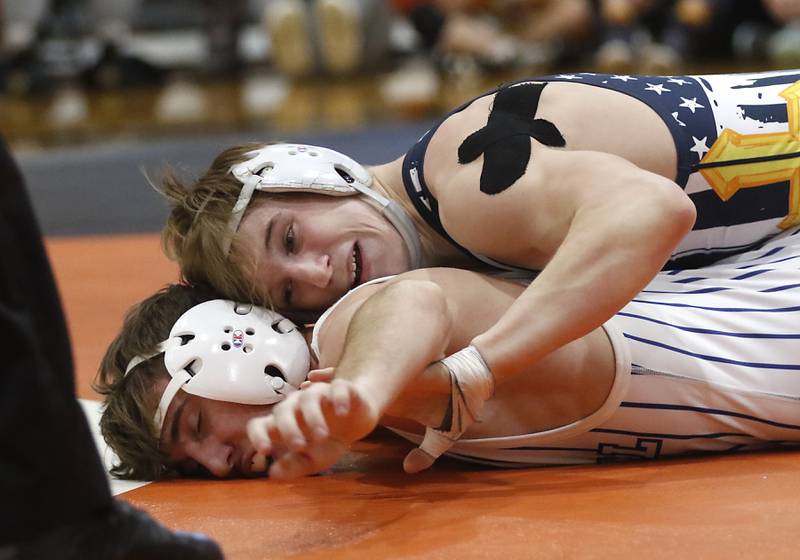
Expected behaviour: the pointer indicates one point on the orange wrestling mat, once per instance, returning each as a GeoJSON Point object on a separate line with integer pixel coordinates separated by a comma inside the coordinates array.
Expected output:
{"type": "Point", "coordinates": [738, 506]}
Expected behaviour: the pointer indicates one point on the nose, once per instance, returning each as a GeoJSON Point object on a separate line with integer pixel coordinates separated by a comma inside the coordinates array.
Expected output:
{"type": "Point", "coordinates": [314, 270]}
{"type": "Point", "coordinates": [217, 457]}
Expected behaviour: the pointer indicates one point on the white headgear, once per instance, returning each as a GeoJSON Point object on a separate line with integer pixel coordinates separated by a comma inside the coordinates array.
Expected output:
{"type": "Point", "coordinates": [303, 168]}
{"type": "Point", "coordinates": [231, 352]}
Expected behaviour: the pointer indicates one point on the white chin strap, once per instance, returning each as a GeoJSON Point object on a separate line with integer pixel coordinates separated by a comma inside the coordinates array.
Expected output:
{"type": "Point", "coordinates": [312, 169]}
{"type": "Point", "coordinates": [178, 379]}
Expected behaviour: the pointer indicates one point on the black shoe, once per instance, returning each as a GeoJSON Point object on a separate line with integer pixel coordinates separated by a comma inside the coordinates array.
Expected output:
{"type": "Point", "coordinates": [120, 533]}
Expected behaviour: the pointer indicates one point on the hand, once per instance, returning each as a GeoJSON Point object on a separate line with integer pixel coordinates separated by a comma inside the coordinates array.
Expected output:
{"type": "Point", "coordinates": [316, 424]}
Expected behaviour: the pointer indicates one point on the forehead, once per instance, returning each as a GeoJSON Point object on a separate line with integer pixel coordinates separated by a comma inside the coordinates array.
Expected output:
{"type": "Point", "coordinates": [268, 205]}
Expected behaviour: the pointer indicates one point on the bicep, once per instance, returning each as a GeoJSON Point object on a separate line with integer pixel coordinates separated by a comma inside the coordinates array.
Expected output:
{"type": "Point", "coordinates": [528, 221]}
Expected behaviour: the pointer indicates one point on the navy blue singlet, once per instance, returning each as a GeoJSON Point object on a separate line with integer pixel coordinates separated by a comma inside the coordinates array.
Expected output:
{"type": "Point", "coordinates": [737, 138]}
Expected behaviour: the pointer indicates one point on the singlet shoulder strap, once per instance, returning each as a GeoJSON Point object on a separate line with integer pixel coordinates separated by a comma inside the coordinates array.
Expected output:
{"type": "Point", "coordinates": [619, 388]}
{"type": "Point", "coordinates": [324, 317]}
{"type": "Point", "coordinates": [425, 203]}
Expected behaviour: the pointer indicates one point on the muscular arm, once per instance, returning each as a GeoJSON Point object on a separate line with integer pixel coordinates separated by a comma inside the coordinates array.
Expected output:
{"type": "Point", "coordinates": [603, 227]}
{"type": "Point", "coordinates": [393, 333]}
{"type": "Point", "coordinates": [392, 337]}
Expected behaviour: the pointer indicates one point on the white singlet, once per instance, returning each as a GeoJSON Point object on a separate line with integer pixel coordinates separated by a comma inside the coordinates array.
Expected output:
{"type": "Point", "coordinates": [707, 360]}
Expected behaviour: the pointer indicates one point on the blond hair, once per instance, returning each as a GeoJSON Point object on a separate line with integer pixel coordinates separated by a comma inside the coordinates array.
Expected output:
{"type": "Point", "coordinates": [197, 228]}
{"type": "Point", "coordinates": [127, 422]}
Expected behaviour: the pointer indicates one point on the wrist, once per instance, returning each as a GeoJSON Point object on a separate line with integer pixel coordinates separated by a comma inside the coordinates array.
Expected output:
{"type": "Point", "coordinates": [373, 395]}
{"type": "Point", "coordinates": [485, 347]}
{"type": "Point", "coordinates": [469, 368]}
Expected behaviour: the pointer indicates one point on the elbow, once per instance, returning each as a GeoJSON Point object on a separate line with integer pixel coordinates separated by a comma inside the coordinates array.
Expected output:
{"type": "Point", "coordinates": [684, 212]}
{"type": "Point", "coordinates": [671, 213]}
{"type": "Point", "coordinates": [658, 221]}
{"type": "Point", "coordinates": [425, 297]}
{"type": "Point", "coordinates": [681, 213]}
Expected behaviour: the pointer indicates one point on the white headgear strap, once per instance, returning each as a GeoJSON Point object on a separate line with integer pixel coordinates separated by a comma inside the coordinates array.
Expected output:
{"type": "Point", "coordinates": [303, 168]}
{"type": "Point", "coordinates": [231, 352]}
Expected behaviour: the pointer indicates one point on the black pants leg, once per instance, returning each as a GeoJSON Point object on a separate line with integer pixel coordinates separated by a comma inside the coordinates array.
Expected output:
{"type": "Point", "coordinates": [50, 471]}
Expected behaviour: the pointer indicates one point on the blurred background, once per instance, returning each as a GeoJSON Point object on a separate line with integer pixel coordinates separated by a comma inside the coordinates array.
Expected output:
{"type": "Point", "coordinates": [94, 94]}
{"type": "Point", "coordinates": [86, 71]}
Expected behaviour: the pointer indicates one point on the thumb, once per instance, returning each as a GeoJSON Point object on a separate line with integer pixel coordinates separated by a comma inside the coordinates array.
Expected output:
{"type": "Point", "coordinates": [433, 445]}
{"type": "Point", "coordinates": [417, 460]}
{"type": "Point", "coordinates": [323, 375]}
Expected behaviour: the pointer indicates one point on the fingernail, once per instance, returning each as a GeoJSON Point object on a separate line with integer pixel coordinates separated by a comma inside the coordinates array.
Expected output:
{"type": "Point", "coordinates": [341, 409]}
{"type": "Point", "coordinates": [321, 432]}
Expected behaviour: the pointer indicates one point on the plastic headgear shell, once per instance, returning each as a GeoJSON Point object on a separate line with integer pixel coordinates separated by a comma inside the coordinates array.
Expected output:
{"type": "Point", "coordinates": [312, 169]}
{"type": "Point", "coordinates": [232, 352]}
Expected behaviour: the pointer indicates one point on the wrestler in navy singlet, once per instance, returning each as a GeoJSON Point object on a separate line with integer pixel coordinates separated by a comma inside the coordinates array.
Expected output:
{"type": "Point", "coordinates": [737, 138]}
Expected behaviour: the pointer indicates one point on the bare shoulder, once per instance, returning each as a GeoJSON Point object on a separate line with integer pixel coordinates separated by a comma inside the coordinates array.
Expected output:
{"type": "Point", "coordinates": [333, 331]}
{"type": "Point", "coordinates": [441, 157]}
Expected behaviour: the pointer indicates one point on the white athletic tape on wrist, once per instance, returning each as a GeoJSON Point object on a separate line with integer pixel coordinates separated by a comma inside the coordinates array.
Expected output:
{"type": "Point", "coordinates": [471, 385]}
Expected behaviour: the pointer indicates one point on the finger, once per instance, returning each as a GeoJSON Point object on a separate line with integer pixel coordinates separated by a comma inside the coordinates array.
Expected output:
{"type": "Point", "coordinates": [316, 458]}
{"type": "Point", "coordinates": [340, 393]}
{"type": "Point", "coordinates": [321, 375]}
{"type": "Point", "coordinates": [258, 432]}
{"type": "Point", "coordinates": [313, 417]}
{"type": "Point", "coordinates": [291, 465]}
{"type": "Point", "coordinates": [287, 419]}
{"type": "Point", "coordinates": [417, 460]}
{"type": "Point", "coordinates": [434, 444]}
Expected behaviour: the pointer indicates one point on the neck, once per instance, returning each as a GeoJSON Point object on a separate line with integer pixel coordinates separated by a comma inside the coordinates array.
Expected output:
{"type": "Point", "coordinates": [436, 251]}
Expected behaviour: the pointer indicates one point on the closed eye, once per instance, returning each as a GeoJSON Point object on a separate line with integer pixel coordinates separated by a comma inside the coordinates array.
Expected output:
{"type": "Point", "coordinates": [289, 240]}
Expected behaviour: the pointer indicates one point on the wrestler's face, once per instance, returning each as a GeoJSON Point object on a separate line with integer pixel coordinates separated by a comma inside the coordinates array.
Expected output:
{"type": "Point", "coordinates": [203, 436]}
{"type": "Point", "coordinates": [311, 249]}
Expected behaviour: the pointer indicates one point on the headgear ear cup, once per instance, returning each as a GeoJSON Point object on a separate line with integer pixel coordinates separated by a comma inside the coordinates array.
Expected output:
{"type": "Point", "coordinates": [239, 357]}
{"type": "Point", "coordinates": [224, 351]}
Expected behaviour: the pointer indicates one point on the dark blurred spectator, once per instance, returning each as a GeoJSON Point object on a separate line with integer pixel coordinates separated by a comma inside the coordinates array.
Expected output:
{"type": "Point", "coordinates": [47, 42]}
{"type": "Point", "coordinates": [652, 36]}
{"type": "Point", "coordinates": [337, 37]}
{"type": "Point", "coordinates": [501, 32]}
{"type": "Point", "coordinates": [783, 45]}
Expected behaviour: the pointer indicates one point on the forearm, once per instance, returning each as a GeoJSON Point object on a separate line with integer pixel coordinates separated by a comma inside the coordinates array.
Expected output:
{"type": "Point", "coordinates": [600, 266]}
{"type": "Point", "coordinates": [393, 337]}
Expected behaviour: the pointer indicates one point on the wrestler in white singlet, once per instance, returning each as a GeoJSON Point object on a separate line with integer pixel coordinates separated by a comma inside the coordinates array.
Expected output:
{"type": "Point", "coordinates": [707, 360]}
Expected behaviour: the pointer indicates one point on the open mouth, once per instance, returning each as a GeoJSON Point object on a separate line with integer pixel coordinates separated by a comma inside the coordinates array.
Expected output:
{"type": "Point", "coordinates": [356, 268]}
